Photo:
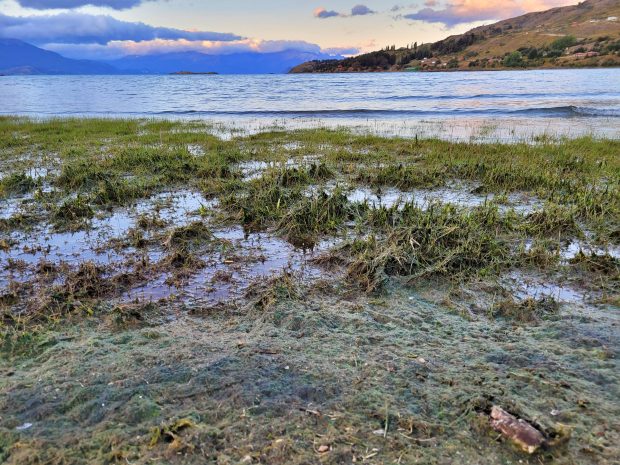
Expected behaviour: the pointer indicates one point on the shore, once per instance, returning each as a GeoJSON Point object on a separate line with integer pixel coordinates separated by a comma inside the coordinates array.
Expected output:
{"type": "Point", "coordinates": [304, 296]}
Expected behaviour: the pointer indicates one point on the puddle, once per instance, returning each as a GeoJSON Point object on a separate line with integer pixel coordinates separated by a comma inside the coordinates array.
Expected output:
{"type": "Point", "coordinates": [460, 195]}
{"type": "Point", "coordinates": [254, 169]}
{"type": "Point", "coordinates": [576, 246]}
{"type": "Point", "coordinates": [13, 206]}
{"type": "Point", "coordinates": [535, 287]}
{"type": "Point", "coordinates": [195, 150]}
{"type": "Point", "coordinates": [42, 172]}
{"type": "Point", "coordinates": [43, 243]}
{"type": "Point", "coordinates": [228, 271]}
{"type": "Point", "coordinates": [257, 255]}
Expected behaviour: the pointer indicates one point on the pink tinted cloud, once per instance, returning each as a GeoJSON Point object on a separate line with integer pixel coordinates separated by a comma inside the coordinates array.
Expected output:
{"type": "Point", "coordinates": [468, 11]}
{"type": "Point", "coordinates": [120, 48]}
{"type": "Point", "coordinates": [322, 13]}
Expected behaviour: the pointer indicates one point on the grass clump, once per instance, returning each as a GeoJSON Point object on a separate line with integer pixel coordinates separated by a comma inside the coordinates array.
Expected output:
{"type": "Point", "coordinates": [190, 236]}
{"type": "Point", "coordinates": [262, 204]}
{"type": "Point", "coordinates": [266, 294]}
{"type": "Point", "coordinates": [403, 176]}
{"type": "Point", "coordinates": [88, 281]}
{"type": "Point", "coordinates": [527, 310]}
{"type": "Point", "coordinates": [441, 240]}
{"type": "Point", "coordinates": [310, 217]}
{"type": "Point", "coordinates": [16, 183]}
{"type": "Point", "coordinates": [601, 264]}
{"type": "Point", "coordinates": [552, 221]}
{"type": "Point", "coordinates": [72, 213]}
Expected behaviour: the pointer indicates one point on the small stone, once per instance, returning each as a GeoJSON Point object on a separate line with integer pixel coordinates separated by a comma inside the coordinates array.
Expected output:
{"type": "Point", "coordinates": [23, 427]}
{"type": "Point", "coordinates": [323, 448]}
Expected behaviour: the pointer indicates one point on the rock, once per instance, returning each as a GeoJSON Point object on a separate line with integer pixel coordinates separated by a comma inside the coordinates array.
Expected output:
{"type": "Point", "coordinates": [518, 431]}
{"type": "Point", "coordinates": [323, 448]}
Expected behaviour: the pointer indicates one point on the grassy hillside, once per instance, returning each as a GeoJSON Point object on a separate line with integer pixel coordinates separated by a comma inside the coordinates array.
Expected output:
{"type": "Point", "coordinates": [583, 35]}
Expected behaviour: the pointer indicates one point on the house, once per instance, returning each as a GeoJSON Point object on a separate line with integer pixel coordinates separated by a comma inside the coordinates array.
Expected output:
{"type": "Point", "coordinates": [428, 62]}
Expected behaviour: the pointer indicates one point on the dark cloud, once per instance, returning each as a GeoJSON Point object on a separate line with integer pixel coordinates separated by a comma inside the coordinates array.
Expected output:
{"type": "Point", "coordinates": [322, 13]}
{"type": "Point", "coordinates": [80, 28]}
{"type": "Point", "coordinates": [361, 10]}
{"type": "Point", "coordinates": [59, 4]}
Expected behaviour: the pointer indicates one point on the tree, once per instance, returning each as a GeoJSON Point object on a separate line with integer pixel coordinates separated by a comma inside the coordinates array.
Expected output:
{"type": "Point", "coordinates": [563, 43]}
{"type": "Point", "coordinates": [514, 60]}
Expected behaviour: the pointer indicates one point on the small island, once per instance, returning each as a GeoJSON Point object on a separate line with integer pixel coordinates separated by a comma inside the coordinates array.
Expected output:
{"type": "Point", "coordinates": [192, 72]}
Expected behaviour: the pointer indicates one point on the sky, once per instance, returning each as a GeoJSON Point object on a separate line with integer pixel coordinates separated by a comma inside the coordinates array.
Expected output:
{"type": "Point", "coordinates": [108, 29]}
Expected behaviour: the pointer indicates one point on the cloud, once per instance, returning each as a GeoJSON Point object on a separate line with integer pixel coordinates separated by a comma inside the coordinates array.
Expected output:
{"type": "Point", "coordinates": [322, 13]}
{"type": "Point", "coordinates": [118, 49]}
{"type": "Point", "coordinates": [468, 11]}
{"type": "Point", "coordinates": [357, 10]}
{"type": "Point", "coordinates": [79, 28]}
{"type": "Point", "coordinates": [361, 10]}
{"type": "Point", "coordinates": [69, 4]}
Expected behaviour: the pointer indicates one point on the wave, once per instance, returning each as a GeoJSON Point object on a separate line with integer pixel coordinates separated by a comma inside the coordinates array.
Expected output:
{"type": "Point", "coordinates": [569, 111]}
{"type": "Point", "coordinates": [558, 111]}
{"type": "Point", "coordinates": [493, 96]}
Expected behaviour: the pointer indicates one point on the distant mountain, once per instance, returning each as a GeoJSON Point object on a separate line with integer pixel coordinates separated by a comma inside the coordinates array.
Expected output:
{"type": "Point", "coordinates": [236, 63]}
{"type": "Point", "coordinates": [17, 57]}
{"type": "Point", "coordinates": [586, 34]}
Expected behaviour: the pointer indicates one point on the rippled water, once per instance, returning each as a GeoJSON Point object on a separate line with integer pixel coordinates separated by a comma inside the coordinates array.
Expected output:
{"type": "Point", "coordinates": [582, 100]}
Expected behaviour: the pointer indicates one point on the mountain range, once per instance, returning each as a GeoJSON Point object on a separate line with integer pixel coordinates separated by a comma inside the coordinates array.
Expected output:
{"type": "Point", "coordinates": [17, 57]}
{"type": "Point", "coordinates": [20, 58]}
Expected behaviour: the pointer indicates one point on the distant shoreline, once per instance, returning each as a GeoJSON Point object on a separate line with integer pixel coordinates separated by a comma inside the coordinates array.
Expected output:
{"type": "Point", "coordinates": [463, 70]}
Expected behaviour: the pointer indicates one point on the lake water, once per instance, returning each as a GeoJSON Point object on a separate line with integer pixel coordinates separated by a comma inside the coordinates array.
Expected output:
{"type": "Point", "coordinates": [507, 104]}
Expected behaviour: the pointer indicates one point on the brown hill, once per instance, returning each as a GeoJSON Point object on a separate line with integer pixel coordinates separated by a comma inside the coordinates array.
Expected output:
{"type": "Point", "coordinates": [586, 34]}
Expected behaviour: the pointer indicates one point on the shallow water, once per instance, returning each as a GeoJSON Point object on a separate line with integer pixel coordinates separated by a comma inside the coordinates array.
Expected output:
{"type": "Point", "coordinates": [460, 194]}
{"type": "Point", "coordinates": [253, 255]}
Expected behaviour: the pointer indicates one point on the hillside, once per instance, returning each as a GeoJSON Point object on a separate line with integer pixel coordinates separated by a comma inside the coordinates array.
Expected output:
{"type": "Point", "coordinates": [17, 57]}
{"type": "Point", "coordinates": [583, 35]}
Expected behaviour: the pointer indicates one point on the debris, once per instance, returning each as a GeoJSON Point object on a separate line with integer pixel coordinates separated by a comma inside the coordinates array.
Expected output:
{"type": "Point", "coordinates": [520, 432]}
{"type": "Point", "coordinates": [23, 427]}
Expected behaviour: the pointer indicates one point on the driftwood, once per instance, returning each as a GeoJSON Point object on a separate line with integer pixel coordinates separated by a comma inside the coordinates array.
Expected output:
{"type": "Point", "coordinates": [518, 431]}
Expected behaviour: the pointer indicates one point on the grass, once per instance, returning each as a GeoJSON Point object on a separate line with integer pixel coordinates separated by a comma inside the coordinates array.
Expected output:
{"type": "Point", "coordinates": [388, 343]}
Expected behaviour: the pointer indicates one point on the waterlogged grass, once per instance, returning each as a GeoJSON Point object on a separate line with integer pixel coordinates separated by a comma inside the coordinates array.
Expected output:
{"type": "Point", "coordinates": [389, 343]}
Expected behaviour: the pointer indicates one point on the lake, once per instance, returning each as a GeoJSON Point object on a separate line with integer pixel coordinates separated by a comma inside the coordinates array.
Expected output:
{"type": "Point", "coordinates": [505, 104]}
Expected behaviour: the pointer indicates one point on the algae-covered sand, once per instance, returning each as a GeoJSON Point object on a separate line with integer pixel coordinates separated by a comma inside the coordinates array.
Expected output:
{"type": "Point", "coordinates": [311, 296]}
